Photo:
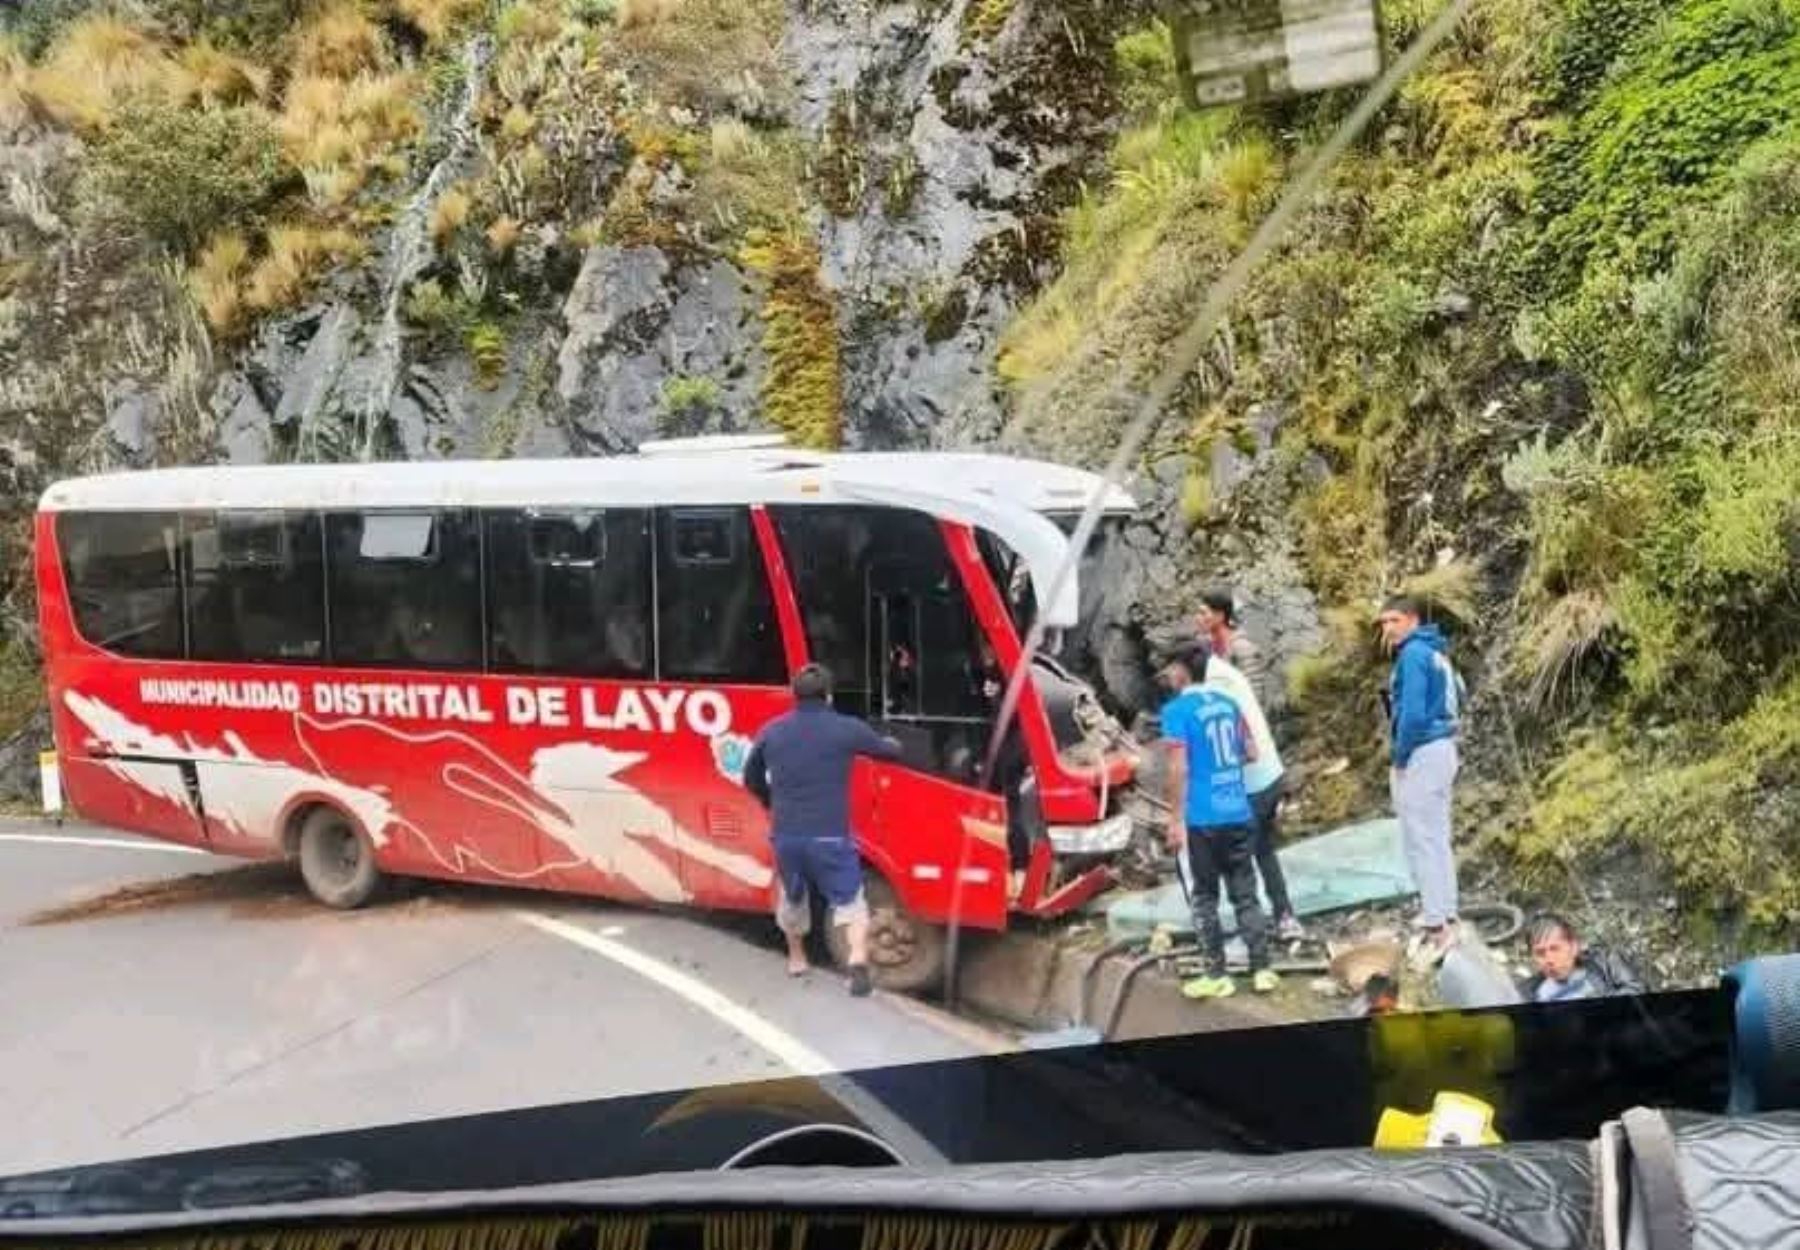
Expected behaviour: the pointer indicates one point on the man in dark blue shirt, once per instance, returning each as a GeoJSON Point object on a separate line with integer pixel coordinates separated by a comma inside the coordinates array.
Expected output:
{"type": "Point", "coordinates": [799, 768]}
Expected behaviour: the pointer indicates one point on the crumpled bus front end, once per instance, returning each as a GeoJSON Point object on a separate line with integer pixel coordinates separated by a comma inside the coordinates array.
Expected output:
{"type": "Point", "coordinates": [1080, 814]}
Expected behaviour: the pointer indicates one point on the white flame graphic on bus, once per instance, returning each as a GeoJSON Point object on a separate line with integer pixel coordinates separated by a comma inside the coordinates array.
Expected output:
{"type": "Point", "coordinates": [575, 797]}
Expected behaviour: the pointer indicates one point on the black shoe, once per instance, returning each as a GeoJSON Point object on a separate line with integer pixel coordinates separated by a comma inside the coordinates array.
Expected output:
{"type": "Point", "coordinates": [860, 982]}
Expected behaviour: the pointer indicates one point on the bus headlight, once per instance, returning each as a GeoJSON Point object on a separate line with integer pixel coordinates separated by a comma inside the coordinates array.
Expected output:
{"type": "Point", "coordinates": [1110, 835]}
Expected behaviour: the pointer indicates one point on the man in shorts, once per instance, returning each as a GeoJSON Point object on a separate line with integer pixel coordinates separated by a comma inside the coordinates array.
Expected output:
{"type": "Point", "coordinates": [799, 768]}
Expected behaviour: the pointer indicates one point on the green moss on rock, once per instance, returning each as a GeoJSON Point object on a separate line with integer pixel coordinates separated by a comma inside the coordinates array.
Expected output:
{"type": "Point", "coordinates": [802, 390]}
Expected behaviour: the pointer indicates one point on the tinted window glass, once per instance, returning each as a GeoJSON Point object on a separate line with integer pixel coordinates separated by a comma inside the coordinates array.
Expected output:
{"type": "Point", "coordinates": [715, 612]}
{"type": "Point", "coordinates": [827, 551]}
{"type": "Point", "coordinates": [405, 588]}
{"type": "Point", "coordinates": [256, 586]}
{"type": "Point", "coordinates": [569, 537]}
{"type": "Point", "coordinates": [124, 580]}
{"type": "Point", "coordinates": [885, 610]}
{"type": "Point", "coordinates": [570, 592]}
{"type": "Point", "coordinates": [930, 660]}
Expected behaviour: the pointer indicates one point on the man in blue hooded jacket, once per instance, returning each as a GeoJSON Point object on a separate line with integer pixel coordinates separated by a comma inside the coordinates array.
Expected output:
{"type": "Point", "coordinates": [1424, 707]}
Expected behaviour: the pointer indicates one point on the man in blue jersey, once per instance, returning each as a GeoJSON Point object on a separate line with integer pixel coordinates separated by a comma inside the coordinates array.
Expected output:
{"type": "Point", "coordinates": [1207, 743]}
{"type": "Point", "coordinates": [799, 768]}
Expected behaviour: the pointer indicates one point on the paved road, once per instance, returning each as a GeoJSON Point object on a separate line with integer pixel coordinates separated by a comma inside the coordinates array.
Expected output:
{"type": "Point", "coordinates": [202, 1002]}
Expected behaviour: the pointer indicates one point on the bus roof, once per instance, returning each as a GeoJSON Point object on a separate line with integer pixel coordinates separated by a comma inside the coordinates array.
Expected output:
{"type": "Point", "coordinates": [701, 472]}
{"type": "Point", "coordinates": [1011, 497]}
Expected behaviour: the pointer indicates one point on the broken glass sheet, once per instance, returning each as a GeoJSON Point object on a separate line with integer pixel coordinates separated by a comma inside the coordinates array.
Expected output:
{"type": "Point", "coordinates": [1356, 866]}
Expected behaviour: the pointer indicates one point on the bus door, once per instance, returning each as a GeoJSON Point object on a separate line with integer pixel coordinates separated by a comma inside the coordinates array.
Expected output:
{"type": "Point", "coordinates": [934, 685]}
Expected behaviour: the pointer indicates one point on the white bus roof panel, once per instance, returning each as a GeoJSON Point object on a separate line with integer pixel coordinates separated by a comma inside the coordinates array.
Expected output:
{"type": "Point", "coordinates": [750, 475]}
{"type": "Point", "coordinates": [1006, 495]}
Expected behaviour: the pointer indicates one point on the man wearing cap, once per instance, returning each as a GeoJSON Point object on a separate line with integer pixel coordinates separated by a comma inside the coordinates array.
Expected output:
{"type": "Point", "coordinates": [799, 768]}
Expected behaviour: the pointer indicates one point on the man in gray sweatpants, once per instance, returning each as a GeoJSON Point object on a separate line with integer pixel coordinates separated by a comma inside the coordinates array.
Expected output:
{"type": "Point", "coordinates": [1424, 708]}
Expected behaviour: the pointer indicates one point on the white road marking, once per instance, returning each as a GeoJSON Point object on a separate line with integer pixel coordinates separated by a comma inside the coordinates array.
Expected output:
{"type": "Point", "coordinates": [876, 1115]}
{"type": "Point", "coordinates": [119, 844]}
{"type": "Point", "coordinates": [803, 1059]}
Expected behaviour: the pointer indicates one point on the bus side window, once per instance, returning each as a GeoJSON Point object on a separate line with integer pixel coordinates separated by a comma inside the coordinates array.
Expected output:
{"type": "Point", "coordinates": [124, 580]}
{"type": "Point", "coordinates": [715, 613]}
{"type": "Point", "coordinates": [826, 547]}
{"type": "Point", "coordinates": [405, 588]}
{"type": "Point", "coordinates": [256, 586]}
{"type": "Point", "coordinates": [569, 592]}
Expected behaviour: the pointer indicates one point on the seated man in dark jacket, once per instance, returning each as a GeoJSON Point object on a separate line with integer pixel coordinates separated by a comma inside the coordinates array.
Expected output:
{"type": "Point", "coordinates": [1568, 969]}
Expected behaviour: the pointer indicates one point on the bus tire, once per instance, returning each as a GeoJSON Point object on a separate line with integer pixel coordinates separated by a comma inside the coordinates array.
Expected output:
{"type": "Point", "coordinates": [906, 954]}
{"type": "Point", "coordinates": [337, 861]}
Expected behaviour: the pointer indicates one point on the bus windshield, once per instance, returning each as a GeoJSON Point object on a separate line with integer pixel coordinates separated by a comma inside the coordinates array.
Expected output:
{"type": "Point", "coordinates": [1010, 575]}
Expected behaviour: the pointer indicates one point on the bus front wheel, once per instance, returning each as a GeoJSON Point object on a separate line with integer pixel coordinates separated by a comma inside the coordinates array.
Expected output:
{"type": "Point", "coordinates": [336, 860]}
{"type": "Point", "coordinates": [906, 954]}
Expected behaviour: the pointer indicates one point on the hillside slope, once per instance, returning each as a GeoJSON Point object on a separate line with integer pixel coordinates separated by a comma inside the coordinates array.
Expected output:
{"type": "Point", "coordinates": [1531, 355]}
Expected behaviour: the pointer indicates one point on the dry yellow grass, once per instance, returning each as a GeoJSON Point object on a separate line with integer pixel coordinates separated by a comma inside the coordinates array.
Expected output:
{"type": "Point", "coordinates": [338, 132]}
{"type": "Point", "coordinates": [15, 81]}
{"type": "Point", "coordinates": [216, 280]}
{"type": "Point", "coordinates": [518, 123]}
{"type": "Point", "coordinates": [297, 256]}
{"type": "Point", "coordinates": [449, 213]}
{"type": "Point", "coordinates": [732, 140]}
{"type": "Point", "coordinates": [504, 234]}
{"type": "Point", "coordinates": [526, 25]}
{"type": "Point", "coordinates": [339, 41]}
{"type": "Point", "coordinates": [218, 77]}
{"type": "Point", "coordinates": [632, 13]}
{"type": "Point", "coordinates": [437, 19]}
{"type": "Point", "coordinates": [384, 104]}
{"type": "Point", "coordinates": [332, 186]}
{"type": "Point", "coordinates": [96, 62]}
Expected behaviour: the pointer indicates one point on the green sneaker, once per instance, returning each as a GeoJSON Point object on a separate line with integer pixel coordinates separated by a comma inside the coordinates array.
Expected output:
{"type": "Point", "coordinates": [1209, 987]}
{"type": "Point", "coordinates": [1266, 981]}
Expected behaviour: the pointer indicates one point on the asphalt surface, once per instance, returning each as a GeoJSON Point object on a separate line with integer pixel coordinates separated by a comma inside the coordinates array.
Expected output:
{"type": "Point", "coordinates": [157, 1000]}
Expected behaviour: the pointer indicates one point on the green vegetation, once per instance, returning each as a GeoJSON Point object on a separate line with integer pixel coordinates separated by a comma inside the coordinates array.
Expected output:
{"type": "Point", "coordinates": [684, 396]}
{"type": "Point", "coordinates": [1720, 817]}
{"type": "Point", "coordinates": [179, 174]}
{"type": "Point", "coordinates": [1546, 313]}
{"type": "Point", "coordinates": [803, 387]}
{"type": "Point", "coordinates": [984, 18]}
{"type": "Point", "coordinates": [21, 688]}
{"type": "Point", "coordinates": [486, 342]}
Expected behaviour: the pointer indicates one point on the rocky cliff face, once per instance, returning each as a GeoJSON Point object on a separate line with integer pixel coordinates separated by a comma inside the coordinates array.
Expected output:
{"type": "Point", "coordinates": [592, 230]}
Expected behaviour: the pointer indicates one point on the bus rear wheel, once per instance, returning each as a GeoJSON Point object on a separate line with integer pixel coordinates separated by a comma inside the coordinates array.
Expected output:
{"type": "Point", "coordinates": [906, 954]}
{"type": "Point", "coordinates": [336, 860]}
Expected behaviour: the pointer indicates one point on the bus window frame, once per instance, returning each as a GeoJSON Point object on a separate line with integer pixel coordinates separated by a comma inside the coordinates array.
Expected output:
{"type": "Point", "coordinates": [474, 514]}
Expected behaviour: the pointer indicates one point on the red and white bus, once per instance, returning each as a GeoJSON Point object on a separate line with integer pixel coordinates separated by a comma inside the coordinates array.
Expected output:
{"type": "Point", "coordinates": [548, 673]}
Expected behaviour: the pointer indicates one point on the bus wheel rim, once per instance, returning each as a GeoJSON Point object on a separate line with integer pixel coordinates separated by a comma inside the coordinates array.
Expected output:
{"type": "Point", "coordinates": [345, 852]}
{"type": "Point", "coordinates": [893, 939]}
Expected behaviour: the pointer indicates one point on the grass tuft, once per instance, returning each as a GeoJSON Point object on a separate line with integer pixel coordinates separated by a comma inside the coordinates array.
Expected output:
{"type": "Point", "coordinates": [339, 41]}
{"type": "Point", "coordinates": [803, 387]}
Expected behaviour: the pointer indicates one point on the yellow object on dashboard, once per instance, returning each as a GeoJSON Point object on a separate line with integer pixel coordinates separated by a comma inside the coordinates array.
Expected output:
{"type": "Point", "coordinates": [1454, 1120]}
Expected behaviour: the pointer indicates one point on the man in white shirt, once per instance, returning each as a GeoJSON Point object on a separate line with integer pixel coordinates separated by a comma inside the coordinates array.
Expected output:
{"type": "Point", "coordinates": [1263, 778]}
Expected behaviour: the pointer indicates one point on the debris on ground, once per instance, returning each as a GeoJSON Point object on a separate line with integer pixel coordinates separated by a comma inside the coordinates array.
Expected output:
{"type": "Point", "coordinates": [265, 884]}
